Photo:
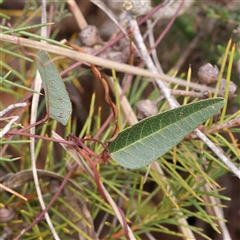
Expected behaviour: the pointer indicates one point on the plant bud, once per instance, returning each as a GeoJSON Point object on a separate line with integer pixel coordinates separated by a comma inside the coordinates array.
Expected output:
{"type": "Point", "coordinates": [6, 214]}
{"type": "Point", "coordinates": [137, 8]}
{"type": "Point", "coordinates": [89, 36]}
{"type": "Point", "coordinates": [146, 108]}
{"type": "Point", "coordinates": [231, 89]}
{"type": "Point", "coordinates": [208, 74]}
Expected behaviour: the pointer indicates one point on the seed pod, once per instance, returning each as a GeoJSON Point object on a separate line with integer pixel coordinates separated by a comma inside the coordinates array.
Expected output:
{"type": "Point", "coordinates": [208, 74]}
{"type": "Point", "coordinates": [54, 186]}
{"type": "Point", "coordinates": [6, 214]}
{"type": "Point", "coordinates": [146, 108]}
{"type": "Point", "coordinates": [89, 36]}
{"type": "Point", "coordinates": [137, 8]}
{"type": "Point", "coordinates": [231, 89]}
{"type": "Point", "coordinates": [115, 56]}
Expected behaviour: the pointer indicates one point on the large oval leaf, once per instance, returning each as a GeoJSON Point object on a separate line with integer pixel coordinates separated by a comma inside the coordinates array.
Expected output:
{"type": "Point", "coordinates": [58, 104]}
{"type": "Point", "coordinates": [138, 146]}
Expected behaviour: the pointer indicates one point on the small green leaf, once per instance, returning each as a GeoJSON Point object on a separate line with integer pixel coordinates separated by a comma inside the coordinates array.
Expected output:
{"type": "Point", "coordinates": [2, 15]}
{"type": "Point", "coordinates": [58, 104]}
{"type": "Point", "coordinates": [138, 146]}
{"type": "Point", "coordinates": [9, 159]}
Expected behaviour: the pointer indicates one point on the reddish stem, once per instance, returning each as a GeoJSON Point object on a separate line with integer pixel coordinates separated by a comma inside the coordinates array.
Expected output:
{"type": "Point", "coordinates": [82, 153]}
{"type": "Point", "coordinates": [108, 99]}
{"type": "Point", "coordinates": [94, 140]}
{"type": "Point", "coordinates": [154, 10]}
{"type": "Point", "coordinates": [168, 26]}
{"type": "Point", "coordinates": [104, 156]}
{"type": "Point", "coordinates": [11, 133]}
{"type": "Point", "coordinates": [34, 124]}
{"type": "Point", "coordinates": [79, 142]}
{"type": "Point", "coordinates": [98, 183]}
{"type": "Point", "coordinates": [106, 123]}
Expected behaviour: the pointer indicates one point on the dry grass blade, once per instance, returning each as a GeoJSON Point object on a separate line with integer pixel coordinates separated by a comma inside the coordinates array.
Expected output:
{"type": "Point", "coordinates": [100, 61]}
{"type": "Point", "coordinates": [12, 191]}
{"type": "Point", "coordinates": [33, 118]}
{"type": "Point", "coordinates": [77, 14]}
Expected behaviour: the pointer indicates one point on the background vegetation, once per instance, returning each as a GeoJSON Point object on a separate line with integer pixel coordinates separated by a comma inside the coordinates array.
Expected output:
{"type": "Point", "coordinates": [193, 196]}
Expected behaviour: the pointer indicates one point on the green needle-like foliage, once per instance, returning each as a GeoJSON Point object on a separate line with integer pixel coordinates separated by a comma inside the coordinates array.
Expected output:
{"type": "Point", "coordinates": [153, 203]}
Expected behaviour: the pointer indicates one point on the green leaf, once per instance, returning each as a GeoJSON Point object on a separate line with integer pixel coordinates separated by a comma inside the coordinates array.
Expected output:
{"type": "Point", "coordinates": [138, 146]}
{"type": "Point", "coordinates": [58, 103]}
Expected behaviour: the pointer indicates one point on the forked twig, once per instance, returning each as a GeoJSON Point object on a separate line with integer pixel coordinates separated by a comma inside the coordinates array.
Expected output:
{"type": "Point", "coordinates": [76, 155]}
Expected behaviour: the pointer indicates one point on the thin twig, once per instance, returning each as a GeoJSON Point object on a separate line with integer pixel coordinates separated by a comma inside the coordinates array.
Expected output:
{"type": "Point", "coordinates": [8, 126]}
{"type": "Point", "coordinates": [231, 123]}
{"type": "Point", "coordinates": [169, 25]}
{"type": "Point", "coordinates": [218, 152]}
{"type": "Point", "coordinates": [12, 106]}
{"type": "Point", "coordinates": [153, 11]}
{"type": "Point", "coordinates": [154, 52]}
{"type": "Point", "coordinates": [189, 93]}
{"type": "Point", "coordinates": [150, 65]}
